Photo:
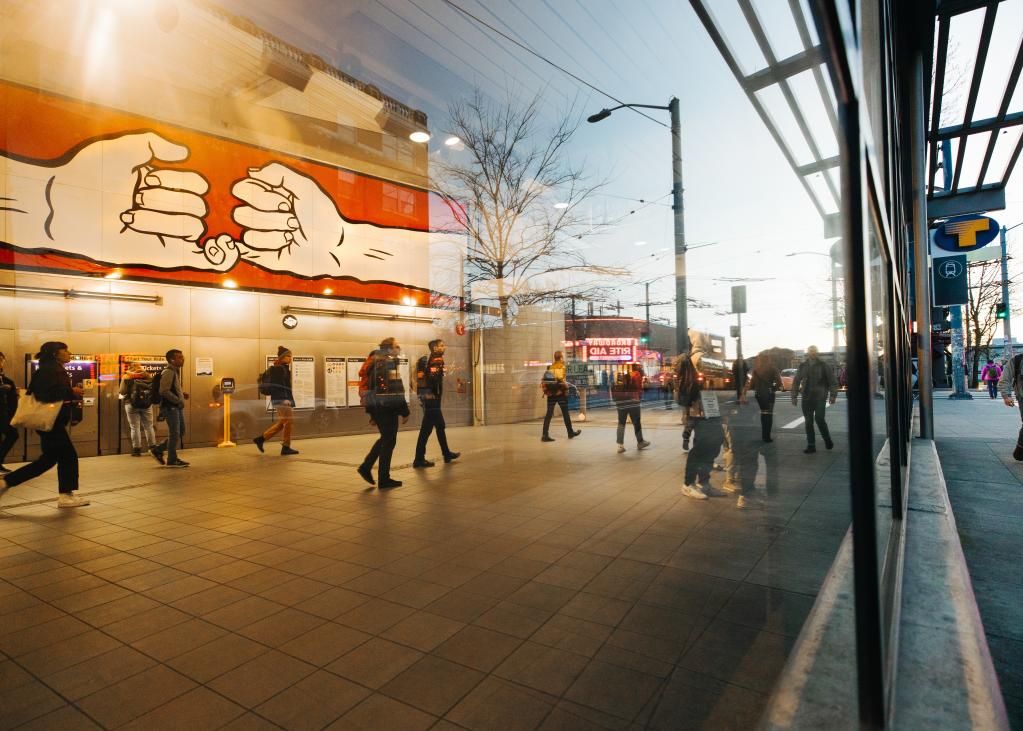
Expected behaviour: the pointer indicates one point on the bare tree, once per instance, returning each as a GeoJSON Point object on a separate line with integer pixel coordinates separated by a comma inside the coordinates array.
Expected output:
{"type": "Point", "coordinates": [985, 291]}
{"type": "Point", "coordinates": [504, 195]}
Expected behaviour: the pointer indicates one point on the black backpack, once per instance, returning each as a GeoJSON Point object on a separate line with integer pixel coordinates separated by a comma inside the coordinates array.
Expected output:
{"type": "Point", "coordinates": [154, 390]}
{"type": "Point", "coordinates": [141, 396]}
{"type": "Point", "coordinates": [265, 387]}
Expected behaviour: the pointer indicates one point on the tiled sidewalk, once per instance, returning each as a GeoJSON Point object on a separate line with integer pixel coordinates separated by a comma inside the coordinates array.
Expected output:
{"type": "Point", "coordinates": [528, 585]}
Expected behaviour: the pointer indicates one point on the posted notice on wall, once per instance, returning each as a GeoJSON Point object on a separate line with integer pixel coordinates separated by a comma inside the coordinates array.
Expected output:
{"type": "Point", "coordinates": [711, 407]}
{"type": "Point", "coordinates": [303, 380]}
{"type": "Point", "coordinates": [204, 366]}
{"type": "Point", "coordinates": [354, 363]}
{"type": "Point", "coordinates": [335, 376]}
{"type": "Point", "coordinates": [403, 370]}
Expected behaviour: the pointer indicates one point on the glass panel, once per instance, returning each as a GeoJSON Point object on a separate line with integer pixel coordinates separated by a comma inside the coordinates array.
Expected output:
{"type": "Point", "coordinates": [348, 213]}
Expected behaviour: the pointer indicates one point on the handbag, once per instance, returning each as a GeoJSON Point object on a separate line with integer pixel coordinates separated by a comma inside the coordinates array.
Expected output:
{"type": "Point", "coordinates": [33, 414]}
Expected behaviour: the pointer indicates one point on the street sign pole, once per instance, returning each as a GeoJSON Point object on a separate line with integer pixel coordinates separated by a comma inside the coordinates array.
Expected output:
{"type": "Point", "coordinates": [958, 355]}
{"type": "Point", "coordinates": [1007, 349]}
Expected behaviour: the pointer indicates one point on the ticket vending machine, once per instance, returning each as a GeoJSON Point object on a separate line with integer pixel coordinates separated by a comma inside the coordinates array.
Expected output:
{"type": "Point", "coordinates": [86, 416]}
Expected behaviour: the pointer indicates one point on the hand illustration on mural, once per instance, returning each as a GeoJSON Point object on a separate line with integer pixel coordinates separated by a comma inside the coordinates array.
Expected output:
{"type": "Point", "coordinates": [111, 202]}
{"type": "Point", "coordinates": [291, 224]}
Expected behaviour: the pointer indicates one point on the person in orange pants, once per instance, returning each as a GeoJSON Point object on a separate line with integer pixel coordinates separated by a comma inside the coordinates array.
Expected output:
{"type": "Point", "coordinates": [276, 383]}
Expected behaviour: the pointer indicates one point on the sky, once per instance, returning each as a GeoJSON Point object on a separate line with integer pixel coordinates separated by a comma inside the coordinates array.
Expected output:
{"type": "Point", "coordinates": [745, 210]}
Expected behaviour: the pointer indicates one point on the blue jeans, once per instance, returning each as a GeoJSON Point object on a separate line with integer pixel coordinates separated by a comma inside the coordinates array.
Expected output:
{"type": "Point", "coordinates": [175, 419]}
{"type": "Point", "coordinates": [992, 389]}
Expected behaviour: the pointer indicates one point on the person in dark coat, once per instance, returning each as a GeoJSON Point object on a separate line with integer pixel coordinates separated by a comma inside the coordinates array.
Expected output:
{"type": "Point", "coordinates": [430, 388]}
{"type": "Point", "coordinates": [51, 384]}
{"type": "Point", "coordinates": [764, 382]}
{"type": "Point", "coordinates": [278, 383]}
{"type": "Point", "coordinates": [816, 381]}
{"type": "Point", "coordinates": [8, 407]}
{"type": "Point", "coordinates": [385, 402]}
{"type": "Point", "coordinates": [627, 394]}
{"type": "Point", "coordinates": [739, 375]}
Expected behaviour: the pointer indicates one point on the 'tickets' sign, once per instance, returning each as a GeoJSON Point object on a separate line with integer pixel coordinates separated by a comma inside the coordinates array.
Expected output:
{"type": "Point", "coordinates": [610, 349]}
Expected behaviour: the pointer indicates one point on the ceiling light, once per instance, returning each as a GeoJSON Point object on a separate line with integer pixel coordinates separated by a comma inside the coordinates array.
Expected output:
{"type": "Point", "coordinates": [410, 301]}
{"type": "Point", "coordinates": [452, 141]}
{"type": "Point", "coordinates": [328, 290]}
{"type": "Point", "coordinates": [419, 136]}
{"type": "Point", "coordinates": [230, 284]}
{"type": "Point", "coordinates": [561, 205]}
{"type": "Point", "coordinates": [640, 243]}
{"type": "Point", "coordinates": [113, 275]}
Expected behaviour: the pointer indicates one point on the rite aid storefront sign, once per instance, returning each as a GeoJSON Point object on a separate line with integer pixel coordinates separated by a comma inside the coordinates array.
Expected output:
{"type": "Point", "coordinates": [618, 350]}
{"type": "Point", "coordinates": [951, 242]}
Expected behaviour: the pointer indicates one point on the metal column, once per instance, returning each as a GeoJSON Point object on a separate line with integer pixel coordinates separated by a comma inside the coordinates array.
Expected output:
{"type": "Point", "coordinates": [681, 318]}
{"type": "Point", "coordinates": [921, 251]}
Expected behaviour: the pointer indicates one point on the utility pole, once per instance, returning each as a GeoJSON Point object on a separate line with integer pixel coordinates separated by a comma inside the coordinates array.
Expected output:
{"type": "Point", "coordinates": [648, 296]}
{"type": "Point", "coordinates": [1007, 349]}
{"type": "Point", "coordinates": [681, 318]}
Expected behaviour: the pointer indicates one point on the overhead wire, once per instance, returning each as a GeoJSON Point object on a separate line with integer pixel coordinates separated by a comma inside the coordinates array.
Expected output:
{"type": "Point", "coordinates": [571, 28]}
{"type": "Point", "coordinates": [549, 62]}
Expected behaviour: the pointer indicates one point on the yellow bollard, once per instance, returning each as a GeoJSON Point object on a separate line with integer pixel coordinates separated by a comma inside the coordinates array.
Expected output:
{"type": "Point", "coordinates": [227, 423]}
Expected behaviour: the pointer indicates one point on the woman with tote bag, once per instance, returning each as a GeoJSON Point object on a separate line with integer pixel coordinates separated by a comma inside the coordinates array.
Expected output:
{"type": "Point", "coordinates": [50, 384]}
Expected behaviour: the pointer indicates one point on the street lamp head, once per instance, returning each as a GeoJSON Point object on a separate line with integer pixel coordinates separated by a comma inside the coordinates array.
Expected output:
{"type": "Point", "coordinates": [602, 114]}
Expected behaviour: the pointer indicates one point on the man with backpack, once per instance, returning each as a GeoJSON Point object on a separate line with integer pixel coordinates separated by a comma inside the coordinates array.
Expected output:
{"type": "Point", "coordinates": [554, 385]}
{"type": "Point", "coordinates": [168, 394]}
{"type": "Point", "coordinates": [689, 385]}
{"type": "Point", "coordinates": [385, 402]}
{"type": "Point", "coordinates": [627, 393]}
{"type": "Point", "coordinates": [137, 393]}
{"type": "Point", "coordinates": [430, 388]}
{"type": "Point", "coordinates": [1011, 386]}
{"type": "Point", "coordinates": [990, 375]}
{"type": "Point", "coordinates": [817, 382]}
{"type": "Point", "coordinates": [275, 382]}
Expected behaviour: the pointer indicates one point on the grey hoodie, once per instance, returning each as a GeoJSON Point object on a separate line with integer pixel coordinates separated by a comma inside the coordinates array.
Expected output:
{"type": "Point", "coordinates": [170, 387]}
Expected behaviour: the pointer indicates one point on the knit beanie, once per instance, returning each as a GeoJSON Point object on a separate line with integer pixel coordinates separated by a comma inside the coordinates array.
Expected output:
{"type": "Point", "coordinates": [282, 351]}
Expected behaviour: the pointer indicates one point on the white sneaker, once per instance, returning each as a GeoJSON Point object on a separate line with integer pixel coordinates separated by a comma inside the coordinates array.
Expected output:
{"type": "Point", "coordinates": [71, 501]}
{"type": "Point", "coordinates": [621, 448]}
{"type": "Point", "coordinates": [730, 487]}
{"type": "Point", "coordinates": [693, 492]}
{"type": "Point", "coordinates": [643, 445]}
{"type": "Point", "coordinates": [741, 502]}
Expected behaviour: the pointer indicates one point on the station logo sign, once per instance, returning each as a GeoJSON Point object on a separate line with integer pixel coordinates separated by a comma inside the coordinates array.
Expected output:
{"type": "Point", "coordinates": [962, 234]}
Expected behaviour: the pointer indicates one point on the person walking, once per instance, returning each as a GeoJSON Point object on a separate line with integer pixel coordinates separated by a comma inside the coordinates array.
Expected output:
{"type": "Point", "coordinates": [276, 383]}
{"type": "Point", "coordinates": [137, 393]}
{"type": "Point", "coordinates": [430, 388]}
{"type": "Point", "coordinates": [689, 386]}
{"type": "Point", "coordinates": [51, 384]}
{"type": "Point", "coordinates": [815, 380]}
{"type": "Point", "coordinates": [8, 407]}
{"type": "Point", "coordinates": [172, 410]}
{"type": "Point", "coordinates": [385, 402]}
{"type": "Point", "coordinates": [627, 394]}
{"type": "Point", "coordinates": [764, 382]}
{"type": "Point", "coordinates": [739, 375]}
{"type": "Point", "coordinates": [990, 375]}
{"type": "Point", "coordinates": [1010, 383]}
{"type": "Point", "coordinates": [555, 387]}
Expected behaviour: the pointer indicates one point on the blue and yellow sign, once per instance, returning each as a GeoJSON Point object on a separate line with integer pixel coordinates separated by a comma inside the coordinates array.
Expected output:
{"type": "Point", "coordinates": [966, 233]}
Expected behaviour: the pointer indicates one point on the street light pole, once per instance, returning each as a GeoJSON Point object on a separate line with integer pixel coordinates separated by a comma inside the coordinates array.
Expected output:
{"type": "Point", "coordinates": [681, 316]}
{"type": "Point", "coordinates": [1007, 350]}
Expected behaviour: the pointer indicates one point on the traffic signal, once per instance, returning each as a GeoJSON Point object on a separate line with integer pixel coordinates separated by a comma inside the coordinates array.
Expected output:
{"type": "Point", "coordinates": [1001, 311]}
{"type": "Point", "coordinates": [644, 337]}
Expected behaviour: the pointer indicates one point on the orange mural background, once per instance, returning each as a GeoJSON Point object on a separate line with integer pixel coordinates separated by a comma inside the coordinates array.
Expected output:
{"type": "Point", "coordinates": [45, 127]}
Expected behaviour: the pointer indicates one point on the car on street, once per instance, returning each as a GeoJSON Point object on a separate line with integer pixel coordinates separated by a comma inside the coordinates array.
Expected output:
{"type": "Point", "coordinates": [787, 377]}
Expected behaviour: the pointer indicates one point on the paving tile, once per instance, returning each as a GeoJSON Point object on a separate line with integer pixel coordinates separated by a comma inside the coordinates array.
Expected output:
{"type": "Point", "coordinates": [416, 593]}
{"type": "Point", "coordinates": [12, 676]}
{"type": "Point", "coordinates": [332, 603]}
{"type": "Point", "coordinates": [179, 639]}
{"type": "Point", "coordinates": [546, 669]}
{"type": "Point", "coordinates": [295, 591]}
{"type": "Point", "coordinates": [196, 710]}
{"type": "Point", "coordinates": [66, 718]}
{"type": "Point", "coordinates": [499, 705]}
{"type": "Point", "coordinates": [513, 619]}
{"type": "Point", "coordinates": [477, 647]}
{"type": "Point", "coordinates": [25, 703]}
{"type": "Point", "coordinates": [324, 644]}
{"type": "Point", "coordinates": [149, 622]}
{"type": "Point", "coordinates": [243, 612]}
{"type": "Point", "coordinates": [250, 722]}
{"type": "Point", "coordinates": [70, 651]}
{"type": "Point", "coordinates": [375, 616]}
{"type": "Point", "coordinates": [42, 635]}
{"type": "Point", "coordinates": [217, 657]}
{"type": "Point", "coordinates": [116, 610]}
{"type": "Point", "coordinates": [99, 672]}
{"type": "Point", "coordinates": [96, 596]}
{"type": "Point", "coordinates": [117, 704]}
{"type": "Point", "coordinates": [281, 627]}
{"type": "Point", "coordinates": [462, 605]}
{"type": "Point", "coordinates": [209, 600]}
{"type": "Point", "coordinates": [179, 589]}
{"type": "Point", "coordinates": [596, 608]}
{"type": "Point", "coordinates": [739, 655]}
{"type": "Point", "coordinates": [380, 712]}
{"type": "Point", "coordinates": [694, 701]}
{"type": "Point", "coordinates": [422, 630]}
{"type": "Point", "coordinates": [614, 690]}
{"type": "Point", "coordinates": [542, 596]}
{"type": "Point", "coordinates": [433, 685]}
{"type": "Point", "coordinates": [313, 702]}
{"type": "Point", "coordinates": [260, 678]}
{"type": "Point", "coordinates": [572, 634]}
{"type": "Point", "coordinates": [375, 662]}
